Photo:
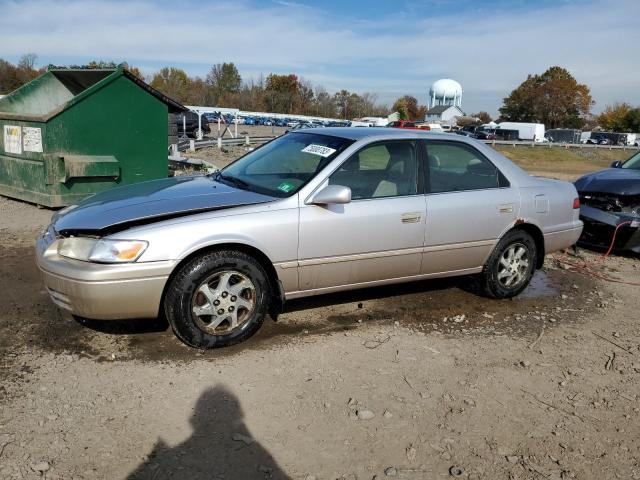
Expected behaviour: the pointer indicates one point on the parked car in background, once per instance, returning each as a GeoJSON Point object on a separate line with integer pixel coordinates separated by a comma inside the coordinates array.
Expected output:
{"type": "Point", "coordinates": [312, 212]}
{"type": "Point", "coordinates": [608, 138]}
{"type": "Point", "coordinates": [376, 121]}
{"type": "Point", "coordinates": [465, 133]}
{"type": "Point", "coordinates": [302, 125]}
{"type": "Point", "coordinates": [610, 204]}
{"type": "Point", "coordinates": [358, 123]}
{"type": "Point", "coordinates": [471, 128]}
{"type": "Point", "coordinates": [485, 134]}
{"type": "Point", "coordinates": [403, 124]}
{"type": "Point", "coordinates": [187, 124]}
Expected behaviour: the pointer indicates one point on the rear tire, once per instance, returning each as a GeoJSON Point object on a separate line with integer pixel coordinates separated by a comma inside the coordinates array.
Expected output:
{"type": "Point", "coordinates": [218, 299]}
{"type": "Point", "coordinates": [510, 266]}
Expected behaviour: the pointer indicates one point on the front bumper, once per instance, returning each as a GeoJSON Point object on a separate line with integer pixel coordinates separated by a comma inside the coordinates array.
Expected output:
{"type": "Point", "coordinates": [99, 291]}
{"type": "Point", "coordinates": [599, 227]}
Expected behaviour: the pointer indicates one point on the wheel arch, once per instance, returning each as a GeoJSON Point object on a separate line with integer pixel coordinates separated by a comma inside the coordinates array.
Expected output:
{"type": "Point", "coordinates": [278, 291]}
{"type": "Point", "coordinates": [537, 236]}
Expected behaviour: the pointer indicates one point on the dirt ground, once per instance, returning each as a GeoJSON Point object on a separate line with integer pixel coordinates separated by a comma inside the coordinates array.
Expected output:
{"type": "Point", "coordinates": [417, 381]}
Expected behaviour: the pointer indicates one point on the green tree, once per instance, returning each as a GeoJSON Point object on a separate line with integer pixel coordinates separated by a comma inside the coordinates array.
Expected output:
{"type": "Point", "coordinates": [225, 83]}
{"type": "Point", "coordinates": [341, 100]}
{"type": "Point", "coordinates": [632, 120]}
{"type": "Point", "coordinates": [325, 104]}
{"type": "Point", "coordinates": [401, 107]}
{"type": "Point", "coordinates": [554, 98]}
{"type": "Point", "coordinates": [305, 100]}
{"type": "Point", "coordinates": [614, 117]}
{"type": "Point", "coordinates": [173, 82]}
{"type": "Point", "coordinates": [14, 76]}
{"type": "Point", "coordinates": [408, 108]}
{"type": "Point", "coordinates": [282, 93]}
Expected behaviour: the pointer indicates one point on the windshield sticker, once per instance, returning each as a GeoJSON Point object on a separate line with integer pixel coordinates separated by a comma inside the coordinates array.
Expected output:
{"type": "Point", "coordinates": [319, 150]}
{"type": "Point", "coordinates": [286, 187]}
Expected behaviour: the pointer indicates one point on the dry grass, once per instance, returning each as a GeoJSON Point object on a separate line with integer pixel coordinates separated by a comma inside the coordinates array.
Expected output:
{"type": "Point", "coordinates": [562, 163]}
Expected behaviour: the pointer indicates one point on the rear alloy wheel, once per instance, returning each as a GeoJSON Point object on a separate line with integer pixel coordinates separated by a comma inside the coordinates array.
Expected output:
{"type": "Point", "coordinates": [513, 266]}
{"type": "Point", "coordinates": [510, 266]}
{"type": "Point", "coordinates": [218, 299]}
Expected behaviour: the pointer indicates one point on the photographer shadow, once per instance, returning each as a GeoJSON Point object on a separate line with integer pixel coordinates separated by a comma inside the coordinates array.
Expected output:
{"type": "Point", "coordinates": [221, 447]}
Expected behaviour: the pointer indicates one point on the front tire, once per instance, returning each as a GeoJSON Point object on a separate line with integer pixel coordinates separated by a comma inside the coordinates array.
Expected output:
{"type": "Point", "coordinates": [510, 267]}
{"type": "Point", "coordinates": [218, 299]}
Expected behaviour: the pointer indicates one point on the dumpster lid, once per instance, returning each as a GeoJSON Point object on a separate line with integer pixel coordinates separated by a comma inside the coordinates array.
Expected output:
{"type": "Point", "coordinates": [59, 88]}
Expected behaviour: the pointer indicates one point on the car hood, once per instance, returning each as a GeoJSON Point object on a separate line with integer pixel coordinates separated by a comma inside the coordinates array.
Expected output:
{"type": "Point", "coordinates": [619, 181]}
{"type": "Point", "coordinates": [146, 202]}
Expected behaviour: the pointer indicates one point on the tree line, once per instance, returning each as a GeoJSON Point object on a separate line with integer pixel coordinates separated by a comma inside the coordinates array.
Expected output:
{"type": "Point", "coordinates": [554, 97]}
{"type": "Point", "coordinates": [223, 86]}
{"type": "Point", "coordinates": [558, 100]}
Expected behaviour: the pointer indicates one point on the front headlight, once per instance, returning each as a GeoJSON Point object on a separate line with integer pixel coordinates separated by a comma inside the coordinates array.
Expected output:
{"type": "Point", "coordinates": [101, 250]}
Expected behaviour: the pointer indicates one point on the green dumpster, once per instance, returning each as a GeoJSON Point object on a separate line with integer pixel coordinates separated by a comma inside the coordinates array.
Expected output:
{"type": "Point", "coordinates": [73, 132]}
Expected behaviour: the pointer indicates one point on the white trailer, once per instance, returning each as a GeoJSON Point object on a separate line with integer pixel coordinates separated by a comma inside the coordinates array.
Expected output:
{"type": "Point", "coordinates": [632, 138]}
{"type": "Point", "coordinates": [526, 131]}
{"type": "Point", "coordinates": [375, 121]}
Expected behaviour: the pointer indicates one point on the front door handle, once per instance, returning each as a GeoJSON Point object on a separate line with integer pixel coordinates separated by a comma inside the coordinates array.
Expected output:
{"type": "Point", "coordinates": [412, 217]}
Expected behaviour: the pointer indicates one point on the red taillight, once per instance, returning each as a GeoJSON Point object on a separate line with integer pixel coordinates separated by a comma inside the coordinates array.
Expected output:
{"type": "Point", "coordinates": [576, 203]}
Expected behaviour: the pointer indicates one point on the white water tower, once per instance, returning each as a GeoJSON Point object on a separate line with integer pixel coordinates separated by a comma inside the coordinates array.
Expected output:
{"type": "Point", "coordinates": [445, 92]}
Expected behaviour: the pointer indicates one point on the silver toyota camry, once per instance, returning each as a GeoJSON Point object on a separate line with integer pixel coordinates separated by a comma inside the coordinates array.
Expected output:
{"type": "Point", "coordinates": [312, 212]}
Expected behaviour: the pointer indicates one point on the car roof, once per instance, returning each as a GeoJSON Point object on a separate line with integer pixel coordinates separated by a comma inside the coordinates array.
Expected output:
{"type": "Point", "coordinates": [359, 133]}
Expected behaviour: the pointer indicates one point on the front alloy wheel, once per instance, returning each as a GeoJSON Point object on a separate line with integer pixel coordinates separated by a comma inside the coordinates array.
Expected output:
{"type": "Point", "coordinates": [224, 302]}
{"type": "Point", "coordinates": [218, 299]}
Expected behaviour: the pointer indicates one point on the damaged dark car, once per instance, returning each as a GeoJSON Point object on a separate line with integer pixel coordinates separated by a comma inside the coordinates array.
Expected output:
{"type": "Point", "coordinates": [610, 206]}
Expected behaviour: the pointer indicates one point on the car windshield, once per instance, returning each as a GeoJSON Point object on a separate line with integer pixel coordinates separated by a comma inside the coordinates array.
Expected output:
{"type": "Point", "coordinates": [633, 162]}
{"type": "Point", "coordinates": [282, 167]}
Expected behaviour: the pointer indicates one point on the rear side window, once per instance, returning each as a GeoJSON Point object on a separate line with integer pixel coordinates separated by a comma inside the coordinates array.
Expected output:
{"type": "Point", "coordinates": [458, 167]}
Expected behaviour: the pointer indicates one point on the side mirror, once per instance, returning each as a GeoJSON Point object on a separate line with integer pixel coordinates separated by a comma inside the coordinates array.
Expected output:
{"type": "Point", "coordinates": [332, 194]}
{"type": "Point", "coordinates": [616, 164]}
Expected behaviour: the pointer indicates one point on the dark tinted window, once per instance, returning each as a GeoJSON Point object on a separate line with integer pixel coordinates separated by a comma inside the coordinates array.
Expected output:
{"type": "Point", "coordinates": [456, 167]}
{"type": "Point", "coordinates": [387, 169]}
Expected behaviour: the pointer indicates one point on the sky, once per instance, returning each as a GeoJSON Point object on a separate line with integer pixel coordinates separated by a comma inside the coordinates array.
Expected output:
{"type": "Point", "coordinates": [386, 47]}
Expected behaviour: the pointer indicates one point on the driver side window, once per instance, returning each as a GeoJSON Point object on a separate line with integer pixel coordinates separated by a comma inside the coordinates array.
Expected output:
{"type": "Point", "coordinates": [385, 169]}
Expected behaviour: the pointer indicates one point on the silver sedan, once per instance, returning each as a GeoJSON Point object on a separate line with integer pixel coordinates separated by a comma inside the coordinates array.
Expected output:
{"type": "Point", "coordinates": [312, 212]}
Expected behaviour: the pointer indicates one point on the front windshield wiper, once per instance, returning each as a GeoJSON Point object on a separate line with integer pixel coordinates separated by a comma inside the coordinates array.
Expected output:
{"type": "Point", "coordinates": [235, 181]}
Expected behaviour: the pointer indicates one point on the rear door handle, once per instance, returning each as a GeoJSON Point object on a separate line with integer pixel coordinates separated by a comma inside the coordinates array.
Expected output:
{"type": "Point", "coordinates": [506, 208]}
{"type": "Point", "coordinates": [412, 217]}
